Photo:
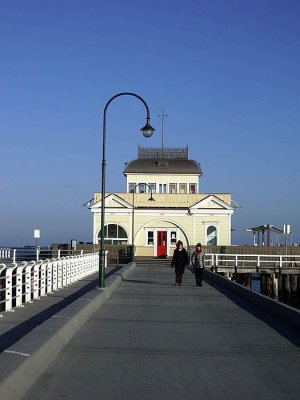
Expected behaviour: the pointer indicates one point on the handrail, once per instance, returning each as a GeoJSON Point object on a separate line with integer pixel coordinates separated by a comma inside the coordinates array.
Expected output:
{"type": "Point", "coordinates": [22, 283]}
{"type": "Point", "coordinates": [259, 261]}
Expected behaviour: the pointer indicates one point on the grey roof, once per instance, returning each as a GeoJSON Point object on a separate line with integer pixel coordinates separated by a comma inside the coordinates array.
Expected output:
{"type": "Point", "coordinates": [162, 166]}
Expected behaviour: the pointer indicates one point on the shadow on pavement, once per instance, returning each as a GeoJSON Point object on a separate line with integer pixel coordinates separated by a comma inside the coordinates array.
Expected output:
{"type": "Point", "coordinates": [11, 336]}
{"type": "Point", "coordinates": [282, 327]}
{"type": "Point", "coordinates": [147, 282]}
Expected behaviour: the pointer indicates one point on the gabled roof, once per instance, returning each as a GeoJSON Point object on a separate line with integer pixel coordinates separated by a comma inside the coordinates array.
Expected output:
{"type": "Point", "coordinates": [112, 200]}
{"type": "Point", "coordinates": [210, 202]}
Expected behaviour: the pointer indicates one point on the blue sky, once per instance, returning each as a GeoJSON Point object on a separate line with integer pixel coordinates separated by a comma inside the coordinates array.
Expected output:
{"type": "Point", "coordinates": [226, 71]}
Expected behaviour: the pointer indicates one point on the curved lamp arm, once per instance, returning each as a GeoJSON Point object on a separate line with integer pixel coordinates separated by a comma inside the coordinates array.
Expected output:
{"type": "Point", "coordinates": [147, 131]}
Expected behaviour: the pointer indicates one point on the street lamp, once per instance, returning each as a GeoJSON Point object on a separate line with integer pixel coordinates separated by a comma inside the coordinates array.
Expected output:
{"type": "Point", "coordinates": [150, 199]}
{"type": "Point", "coordinates": [147, 131]}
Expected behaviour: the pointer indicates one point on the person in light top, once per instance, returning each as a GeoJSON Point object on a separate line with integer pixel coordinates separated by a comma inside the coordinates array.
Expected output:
{"type": "Point", "coordinates": [198, 262]}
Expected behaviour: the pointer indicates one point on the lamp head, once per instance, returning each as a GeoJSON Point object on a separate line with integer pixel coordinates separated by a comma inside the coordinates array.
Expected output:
{"type": "Point", "coordinates": [147, 130]}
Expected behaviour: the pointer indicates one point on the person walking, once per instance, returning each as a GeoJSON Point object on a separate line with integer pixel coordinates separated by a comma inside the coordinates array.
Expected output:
{"type": "Point", "coordinates": [179, 260]}
{"type": "Point", "coordinates": [198, 262]}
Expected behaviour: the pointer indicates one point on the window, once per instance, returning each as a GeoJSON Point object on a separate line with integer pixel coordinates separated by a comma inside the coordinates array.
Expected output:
{"type": "Point", "coordinates": [111, 231]}
{"type": "Point", "coordinates": [182, 187]}
{"type": "Point", "coordinates": [173, 188]}
{"type": "Point", "coordinates": [173, 238]}
{"type": "Point", "coordinates": [150, 238]}
{"type": "Point", "coordinates": [211, 235]}
{"type": "Point", "coordinates": [153, 187]}
{"type": "Point", "coordinates": [192, 188]}
{"type": "Point", "coordinates": [142, 188]}
{"type": "Point", "coordinates": [131, 187]}
{"type": "Point", "coordinates": [114, 234]}
{"type": "Point", "coordinates": [162, 188]}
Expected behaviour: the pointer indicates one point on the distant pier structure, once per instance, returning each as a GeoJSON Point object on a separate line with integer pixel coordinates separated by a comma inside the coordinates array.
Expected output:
{"type": "Point", "coordinates": [263, 232]}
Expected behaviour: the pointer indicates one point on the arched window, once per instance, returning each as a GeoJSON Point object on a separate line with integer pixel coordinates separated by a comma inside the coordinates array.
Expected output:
{"type": "Point", "coordinates": [211, 235]}
{"type": "Point", "coordinates": [114, 234]}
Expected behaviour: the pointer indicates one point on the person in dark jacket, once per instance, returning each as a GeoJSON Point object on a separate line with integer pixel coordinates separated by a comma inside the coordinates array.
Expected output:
{"type": "Point", "coordinates": [179, 261]}
{"type": "Point", "coordinates": [198, 262]}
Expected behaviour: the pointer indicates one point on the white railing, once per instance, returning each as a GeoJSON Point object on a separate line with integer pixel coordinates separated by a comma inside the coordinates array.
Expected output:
{"type": "Point", "coordinates": [19, 254]}
{"type": "Point", "coordinates": [6, 253]}
{"type": "Point", "coordinates": [255, 261]}
{"type": "Point", "coordinates": [24, 282]}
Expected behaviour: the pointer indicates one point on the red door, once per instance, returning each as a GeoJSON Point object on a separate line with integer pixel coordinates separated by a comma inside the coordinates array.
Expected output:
{"type": "Point", "coordinates": [161, 243]}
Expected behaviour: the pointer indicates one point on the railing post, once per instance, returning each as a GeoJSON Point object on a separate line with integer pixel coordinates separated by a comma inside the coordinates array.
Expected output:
{"type": "Point", "coordinates": [54, 275]}
{"type": "Point", "coordinates": [68, 270]}
{"type": "Point", "coordinates": [43, 279]}
{"type": "Point", "coordinates": [8, 289]}
{"type": "Point", "coordinates": [19, 283]}
{"type": "Point", "coordinates": [280, 264]}
{"type": "Point", "coordinates": [28, 281]}
{"type": "Point", "coordinates": [64, 271]}
{"type": "Point", "coordinates": [36, 280]}
{"type": "Point", "coordinates": [59, 274]}
{"type": "Point", "coordinates": [105, 265]}
{"type": "Point", "coordinates": [48, 276]}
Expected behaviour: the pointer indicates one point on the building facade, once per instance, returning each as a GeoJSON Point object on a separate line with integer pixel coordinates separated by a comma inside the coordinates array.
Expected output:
{"type": "Point", "coordinates": [162, 205]}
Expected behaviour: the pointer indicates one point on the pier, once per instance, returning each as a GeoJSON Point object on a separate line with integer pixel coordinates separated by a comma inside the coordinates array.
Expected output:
{"type": "Point", "coordinates": [144, 338]}
{"type": "Point", "coordinates": [279, 275]}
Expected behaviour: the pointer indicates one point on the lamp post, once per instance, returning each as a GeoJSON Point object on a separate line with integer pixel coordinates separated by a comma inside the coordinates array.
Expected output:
{"type": "Point", "coordinates": [150, 199]}
{"type": "Point", "coordinates": [147, 131]}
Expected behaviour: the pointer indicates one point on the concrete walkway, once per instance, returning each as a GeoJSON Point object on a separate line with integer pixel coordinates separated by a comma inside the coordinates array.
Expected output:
{"type": "Point", "coordinates": [152, 340]}
{"type": "Point", "coordinates": [17, 323]}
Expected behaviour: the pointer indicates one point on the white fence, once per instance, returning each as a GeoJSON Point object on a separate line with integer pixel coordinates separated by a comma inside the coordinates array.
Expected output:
{"type": "Point", "coordinates": [6, 253]}
{"type": "Point", "coordinates": [24, 282]}
{"type": "Point", "coordinates": [252, 261]}
{"type": "Point", "coordinates": [33, 253]}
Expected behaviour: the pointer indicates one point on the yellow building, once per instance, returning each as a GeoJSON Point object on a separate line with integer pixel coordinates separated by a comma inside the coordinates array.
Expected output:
{"type": "Point", "coordinates": [163, 205]}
